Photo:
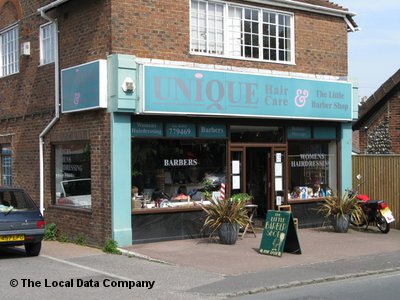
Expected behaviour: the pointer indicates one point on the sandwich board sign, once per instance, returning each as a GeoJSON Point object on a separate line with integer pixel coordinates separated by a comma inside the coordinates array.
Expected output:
{"type": "Point", "coordinates": [279, 234]}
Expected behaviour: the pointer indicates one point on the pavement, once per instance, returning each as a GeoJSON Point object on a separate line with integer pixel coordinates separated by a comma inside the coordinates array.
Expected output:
{"type": "Point", "coordinates": [213, 270]}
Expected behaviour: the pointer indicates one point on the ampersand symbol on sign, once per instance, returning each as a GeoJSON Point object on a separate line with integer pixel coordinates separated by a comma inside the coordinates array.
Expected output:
{"type": "Point", "coordinates": [301, 97]}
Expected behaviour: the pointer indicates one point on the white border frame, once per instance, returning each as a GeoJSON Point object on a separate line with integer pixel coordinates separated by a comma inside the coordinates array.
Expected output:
{"type": "Point", "coordinates": [102, 86]}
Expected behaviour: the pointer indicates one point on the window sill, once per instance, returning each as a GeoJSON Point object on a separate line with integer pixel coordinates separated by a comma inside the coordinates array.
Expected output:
{"type": "Point", "coordinates": [70, 208]}
{"type": "Point", "coordinates": [291, 63]}
{"type": "Point", "coordinates": [46, 64]}
{"type": "Point", "coordinates": [145, 211]}
{"type": "Point", "coordinates": [309, 200]}
{"type": "Point", "coordinates": [8, 75]}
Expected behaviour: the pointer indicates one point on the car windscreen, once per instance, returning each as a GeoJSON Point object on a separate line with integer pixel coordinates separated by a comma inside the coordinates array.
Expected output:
{"type": "Point", "coordinates": [16, 200]}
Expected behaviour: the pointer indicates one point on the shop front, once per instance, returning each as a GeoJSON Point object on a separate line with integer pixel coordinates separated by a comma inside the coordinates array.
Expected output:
{"type": "Point", "coordinates": [280, 139]}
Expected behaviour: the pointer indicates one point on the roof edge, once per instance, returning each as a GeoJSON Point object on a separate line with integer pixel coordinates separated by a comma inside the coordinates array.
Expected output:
{"type": "Point", "coordinates": [307, 6]}
{"type": "Point", "coordinates": [377, 98]}
{"type": "Point", "coordinates": [344, 13]}
{"type": "Point", "coordinates": [51, 5]}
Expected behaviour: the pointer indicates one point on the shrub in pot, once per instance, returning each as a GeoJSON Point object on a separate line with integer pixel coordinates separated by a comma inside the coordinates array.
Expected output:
{"type": "Point", "coordinates": [226, 217]}
{"type": "Point", "coordinates": [338, 210]}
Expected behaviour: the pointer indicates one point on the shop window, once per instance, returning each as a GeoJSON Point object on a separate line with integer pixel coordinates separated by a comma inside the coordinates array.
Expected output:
{"type": "Point", "coordinates": [174, 173]}
{"type": "Point", "coordinates": [312, 170]}
{"type": "Point", "coordinates": [6, 165]}
{"type": "Point", "coordinates": [73, 175]}
{"type": "Point", "coordinates": [256, 134]}
{"type": "Point", "coordinates": [47, 43]}
{"type": "Point", "coordinates": [9, 51]}
{"type": "Point", "coordinates": [236, 31]}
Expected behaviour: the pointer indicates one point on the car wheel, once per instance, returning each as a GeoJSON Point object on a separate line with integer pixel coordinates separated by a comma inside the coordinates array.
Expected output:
{"type": "Point", "coordinates": [33, 249]}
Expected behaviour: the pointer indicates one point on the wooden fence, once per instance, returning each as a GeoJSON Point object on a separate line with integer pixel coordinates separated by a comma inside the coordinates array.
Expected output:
{"type": "Point", "coordinates": [380, 180]}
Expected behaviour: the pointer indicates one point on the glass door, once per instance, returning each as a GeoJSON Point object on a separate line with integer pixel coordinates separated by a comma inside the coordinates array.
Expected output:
{"type": "Point", "coordinates": [258, 181]}
{"type": "Point", "coordinates": [279, 187]}
{"type": "Point", "coordinates": [237, 171]}
{"type": "Point", "coordinates": [250, 172]}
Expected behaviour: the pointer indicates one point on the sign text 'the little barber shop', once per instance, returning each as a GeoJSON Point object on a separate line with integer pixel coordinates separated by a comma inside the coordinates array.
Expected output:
{"type": "Point", "coordinates": [208, 92]}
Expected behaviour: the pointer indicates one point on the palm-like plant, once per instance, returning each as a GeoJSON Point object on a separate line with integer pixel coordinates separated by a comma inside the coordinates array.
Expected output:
{"type": "Point", "coordinates": [335, 206]}
{"type": "Point", "coordinates": [340, 210]}
{"type": "Point", "coordinates": [225, 211]}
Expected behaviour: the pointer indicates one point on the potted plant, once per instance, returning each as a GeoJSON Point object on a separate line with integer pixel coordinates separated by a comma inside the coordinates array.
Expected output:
{"type": "Point", "coordinates": [225, 217]}
{"type": "Point", "coordinates": [246, 198]}
{"type": "Point", "coordinates": [207, 189]}
{"type": "Point", "coordinates": [339, 210]}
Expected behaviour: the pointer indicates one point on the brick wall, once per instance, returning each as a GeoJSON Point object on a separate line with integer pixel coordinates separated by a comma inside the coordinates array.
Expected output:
{"type": "Point", "coordinates": [394, 120]}
{"type": "Point", "coordinates": [27, 107]}
{"type": "Point", "coordinates": [390, 113]}
{"type": "Point", "coordinates": [95, 226]}
{"type": "Point", "coordinates": [160, 29]}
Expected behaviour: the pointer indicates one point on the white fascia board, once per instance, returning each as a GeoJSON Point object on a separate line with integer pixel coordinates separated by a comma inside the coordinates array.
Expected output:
{"type": "Point", "coordinates": [51, 5]}
{"type": "Point", "coordinates": [306, 7]}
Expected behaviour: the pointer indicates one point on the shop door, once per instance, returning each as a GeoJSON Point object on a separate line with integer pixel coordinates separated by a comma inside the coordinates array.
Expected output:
{"type": "Point", "coordinates": [237, 171]}
{"type": "Point", "coordinates": [251, 173]}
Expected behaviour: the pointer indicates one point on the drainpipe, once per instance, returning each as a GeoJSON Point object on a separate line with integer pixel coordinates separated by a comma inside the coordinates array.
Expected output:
{"type": "Point", "coordinates": [42, 12]}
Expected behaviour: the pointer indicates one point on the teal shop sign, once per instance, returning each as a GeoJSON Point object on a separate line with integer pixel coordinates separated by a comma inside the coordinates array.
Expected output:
{"type": "Point", "coordinates": [207, 92]}
{"type": "Point", "coordinates": [84, 87]}
{"type": "Point", "coordinates": [212, 130]}
{"type": "Point", "coordinates": [180, 130]}
{"type": "Point", "coordinates": [299, 132]}
{"type": "Point", "coordinates": [147, 129]}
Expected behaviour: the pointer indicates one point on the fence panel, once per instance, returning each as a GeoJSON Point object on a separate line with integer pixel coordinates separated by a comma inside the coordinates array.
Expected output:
{"type": "Point", "coordinates": [380, 180]}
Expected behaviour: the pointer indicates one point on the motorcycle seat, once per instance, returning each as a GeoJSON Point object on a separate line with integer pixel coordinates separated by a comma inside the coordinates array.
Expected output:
{"type": "Point", "coordinates": [374, 201]}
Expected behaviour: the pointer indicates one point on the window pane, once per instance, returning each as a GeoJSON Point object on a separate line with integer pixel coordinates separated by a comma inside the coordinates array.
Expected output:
{"type": "Point", "coordinates": [273, 54]}
{"type": "Point", "coordinates": [266, 54]}
{"type": "Point", "coordinates": [247, 14]}
{"type": "Point", "coordinates": [312, 169]}
{"type": "Point", "coordinates": [254, 27]}
{"type": "Point", "coordinates": [47, 43]}
{"type": "Point", "coordinates": [207, 26]}
{"type": "Point", "coordinates": [255, 52]}
{"type": "Point", "coordinates": [6, 165]}
{"type": "Point", "coordinates": [9, 53]}
{"type": "Point", "coordinates": [210, 29]}
{"type": "Point", "coordinates": [73, 175]}
{"type": "Point", "coordinates": [171, 170]}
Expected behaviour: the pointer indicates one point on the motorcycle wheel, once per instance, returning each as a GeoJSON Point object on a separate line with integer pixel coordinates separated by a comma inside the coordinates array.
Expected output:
{"type": "Point", "coordinates": [357, 219]}
{"type": "Point", "coordinates": [381, 223]}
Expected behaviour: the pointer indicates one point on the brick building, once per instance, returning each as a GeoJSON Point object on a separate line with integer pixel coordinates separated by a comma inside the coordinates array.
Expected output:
{"type": "Point", "coordinates": [99, 98]}
{"type": "Point", "coordinates": [379, 120]}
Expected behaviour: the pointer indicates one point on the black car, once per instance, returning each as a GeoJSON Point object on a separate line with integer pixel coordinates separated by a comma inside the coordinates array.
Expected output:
{"type": "Point", "coordinates": [21, 222]}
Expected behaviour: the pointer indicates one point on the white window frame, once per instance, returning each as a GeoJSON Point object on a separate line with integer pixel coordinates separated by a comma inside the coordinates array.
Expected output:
{"type": "Point", "coordinates": [231, 48]}
{"type": "Point", "coordinates": [6, 165]}
{"type": "Point", "coordinates": [9, 50]}
{"type": "Point", "coordinates": [47, 43]}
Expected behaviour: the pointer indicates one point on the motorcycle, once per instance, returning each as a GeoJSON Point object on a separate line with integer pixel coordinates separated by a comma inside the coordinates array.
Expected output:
{"type": "Point", "coordinates": [371, 211]}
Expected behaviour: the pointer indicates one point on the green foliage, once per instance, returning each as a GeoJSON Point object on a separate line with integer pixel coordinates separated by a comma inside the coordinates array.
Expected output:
{"type": "Point", "coordinates": [111, 247]}
{"type": "Point", "coordinates": [80, 240]}
{"type": "Point", "coordinates": [63, 238]}
{"type": "Point", "coordinates": [208, 187]}
{"type": "Point", "coordinates": [242, 197]}
{"type": "Point", "coordinates": [51, 232]}
{"type": "Point", "coordinates": [335, 206]}
{"type": "Point", "coordinates": [225, 211]}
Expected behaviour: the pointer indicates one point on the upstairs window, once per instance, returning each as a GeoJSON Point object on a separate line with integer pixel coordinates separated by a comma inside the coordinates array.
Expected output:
{"type": "Point", "coordinates": [6, 164]}
{"type": "Point", "coordinates": [47, 43]}
{"type": "Point", "coordinates": [9, 51]}
{"type": "Point", "coordinates": [241, 32]}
